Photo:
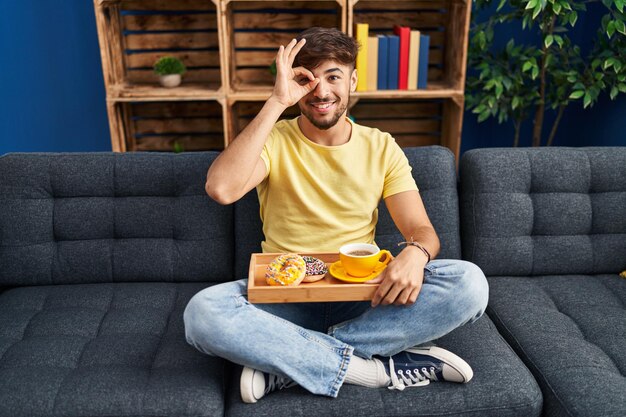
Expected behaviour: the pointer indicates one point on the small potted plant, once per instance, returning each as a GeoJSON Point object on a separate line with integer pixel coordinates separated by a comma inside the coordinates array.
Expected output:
{"type": "Point", "coordinates": [169, 69]}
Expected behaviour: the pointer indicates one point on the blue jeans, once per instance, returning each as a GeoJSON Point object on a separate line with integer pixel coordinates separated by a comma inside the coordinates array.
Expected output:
{"type": "Point", "coordinates": [312, 343]}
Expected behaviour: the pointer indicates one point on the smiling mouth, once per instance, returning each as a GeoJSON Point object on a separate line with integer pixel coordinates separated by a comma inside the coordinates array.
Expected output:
{"type": "Point", "coordinates": [322, 105]}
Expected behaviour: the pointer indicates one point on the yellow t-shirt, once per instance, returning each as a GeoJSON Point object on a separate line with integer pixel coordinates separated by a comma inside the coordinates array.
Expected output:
{"type": "Point", "coordinates": [316, 198]}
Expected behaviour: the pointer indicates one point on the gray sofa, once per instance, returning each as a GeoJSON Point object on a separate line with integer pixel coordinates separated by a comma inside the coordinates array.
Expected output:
{"type": "Point", "coordinates": [100, 252]}
{"type": "Point", "coordinates": [548, 228]}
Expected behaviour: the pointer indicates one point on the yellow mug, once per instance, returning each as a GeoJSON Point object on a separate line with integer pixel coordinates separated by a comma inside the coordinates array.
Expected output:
{"type": "Point", "coordinates": [360, 259]}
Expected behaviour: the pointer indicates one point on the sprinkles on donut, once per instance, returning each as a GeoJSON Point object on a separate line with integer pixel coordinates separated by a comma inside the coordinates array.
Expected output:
{"type": "Point", "coordinates": [286, 269]}
{"type": "Point", "coordinates": [315, 269]}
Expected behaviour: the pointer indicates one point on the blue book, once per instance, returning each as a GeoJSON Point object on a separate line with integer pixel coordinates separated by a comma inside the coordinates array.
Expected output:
{"type": "Point", "coordinates": [383, 48]}
{"type": "Point", "coordinates": [393, 62]}
{"type": "Point", "coordinates": [422, 72]}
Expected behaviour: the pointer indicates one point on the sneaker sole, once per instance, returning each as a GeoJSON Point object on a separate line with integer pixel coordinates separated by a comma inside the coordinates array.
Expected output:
{"type": "Point", "coordinates": [452, 360]}
{"type": "Point", "coordinates": [246, 384]}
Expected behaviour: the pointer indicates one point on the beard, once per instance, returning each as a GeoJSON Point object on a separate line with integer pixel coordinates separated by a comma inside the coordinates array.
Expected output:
{"type": "Point", "coordinates": [326, 123]}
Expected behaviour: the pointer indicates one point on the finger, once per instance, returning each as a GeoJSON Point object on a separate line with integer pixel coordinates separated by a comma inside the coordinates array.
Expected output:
{"type": "Point", "coordinates": [312, 85]}
{"type": "Point", "coordinates": [392, 295]}
{"type": "Point", "coordinates": [299, 71]}
{"type": "Point", "coordinates": [288, 49]}
{"type": "Point", "coordinates": [375, 280]}
{"type": "Point", "coordinates": [279, 58]}
{"type": "Point", "coordinates": [414, 294]}
{"type": "Point", "coordinates": [382, 289]}
{"type": "Point", "coordinates": [295, 50]}
{"type": "Point", "coordinates": [403, 297]}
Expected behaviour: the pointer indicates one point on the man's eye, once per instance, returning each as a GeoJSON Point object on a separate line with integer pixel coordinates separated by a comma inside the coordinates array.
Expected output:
{"type": "Point", "coordinates": [334, 78]}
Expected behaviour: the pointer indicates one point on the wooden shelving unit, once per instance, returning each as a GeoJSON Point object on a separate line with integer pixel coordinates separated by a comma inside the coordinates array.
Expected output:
{"type": "Point", "coordinates": [228, 46]}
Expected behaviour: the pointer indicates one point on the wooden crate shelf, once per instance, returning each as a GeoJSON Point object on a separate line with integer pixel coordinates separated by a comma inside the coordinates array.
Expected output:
{"type": "Point", "coordinates": [255, 29]}
{"type": "Point", "coordinates": [159, 125]}
{"type": "Point", "coordinates": [228, 47]}
{"type": "Point", "coordinates": [242, 113]}
{"type": "Point", "coordinates": [411, 122]}
{"type": "Point", "coordinates": [134, 34]}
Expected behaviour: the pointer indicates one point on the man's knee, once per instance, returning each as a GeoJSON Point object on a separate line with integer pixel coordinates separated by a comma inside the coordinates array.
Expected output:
{"type": "Point", "coordinates": [469, 285]}
{"type": "Point", "coordinates": [474, 287]}
{"type": "Point", "coordinates": [204, 314]}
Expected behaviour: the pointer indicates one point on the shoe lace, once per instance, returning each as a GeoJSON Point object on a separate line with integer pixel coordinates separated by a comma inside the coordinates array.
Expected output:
{"type": "Point", "coordinates": [410, 378]}
{"type": "Point", "coordinates": [276, 382]}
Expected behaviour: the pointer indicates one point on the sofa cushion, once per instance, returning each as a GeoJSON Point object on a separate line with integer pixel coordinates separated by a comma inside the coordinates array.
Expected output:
{"type": "Point", "coordinates": [571, 332]}
{"type": "Point", "coordinates": [104, 217]}
{"type": "Point", "coordinates": [103, 350]}
{"type": "Point", "coordinates": [502, 386]}
{"type": "Point", "coordinates": [543, 211]}
{"type": "Point", "coordinates": [434, 170]}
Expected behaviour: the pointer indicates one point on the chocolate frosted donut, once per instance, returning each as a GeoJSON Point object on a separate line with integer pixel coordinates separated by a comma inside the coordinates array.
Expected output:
{"type": "Point", "coordinates": [315, 269]}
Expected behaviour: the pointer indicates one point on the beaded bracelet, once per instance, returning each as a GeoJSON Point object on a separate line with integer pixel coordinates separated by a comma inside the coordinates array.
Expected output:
{"type": "Point", "coordinates": [417, 245]}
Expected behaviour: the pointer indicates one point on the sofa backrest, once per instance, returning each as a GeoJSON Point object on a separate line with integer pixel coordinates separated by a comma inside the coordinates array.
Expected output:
{"type": "Point", "coordinates": [434, 170]}
{"type": "Point", "coordinates": [104, 217]}
{"type": "Point", "coordinates": [544, 211]}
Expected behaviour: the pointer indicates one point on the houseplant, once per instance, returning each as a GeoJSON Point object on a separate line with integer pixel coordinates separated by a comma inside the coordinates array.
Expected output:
{"type": "Point", "coordinates": [550, 71]}
{"type": "Point", "coordinates": [169, 69]}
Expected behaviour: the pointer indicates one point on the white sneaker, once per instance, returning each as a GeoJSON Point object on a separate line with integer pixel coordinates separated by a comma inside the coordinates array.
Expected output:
{"type": "Point", "coordinates": [255, 384]}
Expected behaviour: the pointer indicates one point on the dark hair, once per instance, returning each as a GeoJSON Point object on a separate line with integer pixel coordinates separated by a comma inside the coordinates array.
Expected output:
{"type": "Point", "coordinates": [326, 44]}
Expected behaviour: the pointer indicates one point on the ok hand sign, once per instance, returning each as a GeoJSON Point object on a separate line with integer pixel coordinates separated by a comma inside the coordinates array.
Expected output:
{"type": "Point", "coordinates": [292, 83]}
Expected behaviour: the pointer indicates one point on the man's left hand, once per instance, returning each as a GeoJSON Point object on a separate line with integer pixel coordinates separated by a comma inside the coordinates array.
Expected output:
{"type": "Point", "coordinates": [401, 281]}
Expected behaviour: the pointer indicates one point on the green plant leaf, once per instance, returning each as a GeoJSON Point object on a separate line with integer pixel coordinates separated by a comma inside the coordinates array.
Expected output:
{"type": "Point", "coordinates": [586, 100]}
{"type": "Point", "coordinates": [559, 40]}
{"type": "Point", "coordinates": [527, 65]}
{"type": "Point", "coordinates": [536, 11]}
{"type": "Point", "coordinates": [620, 26]}
{"type": "Point", "coordinates": [573, 17]}
{"type": "Point", "coordinates": [531, 4]}
{"type": "Point", "coordinates": [483, 116]}
{"type": "Point", "coordinates": [167, 65]}
{"type": "Point", "coordinates": [535, 73]}
{"type": "Point", "coordinates": [548, 40]}
{"type": "Point", "coordinates": [613, 93]}
{"type": "Point", "coordinates": [621, 87]}
{"type": "Point", "coordinates": [502, 3]}
{"type": "Point", "coordinates": [620, 5]}
{"type": "Point", "coordinates": [557, 8]}
{"type": "Point", "coordinates": [577, 94]}
{"type": "Point", "coordinates": [499, 90]}
{"type": "Point", "coordinates": [515, 102]}
{"type": "Point", "coordinates": [610, 28]}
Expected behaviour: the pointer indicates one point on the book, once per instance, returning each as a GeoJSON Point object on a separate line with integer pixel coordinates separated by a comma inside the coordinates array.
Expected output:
{"type": "Point", "coordinates": [372, 63]}
{"type": "Point", "coordinates": [422, 73]}
{"type": "Point", "coordinates": [392, 62]}
{"type": "Point", "coordinates": [404, 33]}
{"type": "Point", "coordinates": [383, 52]}
{"type": "Point", "coordinates": [361, 31]}
{"type": "Point", "coordinates": [414, 50]}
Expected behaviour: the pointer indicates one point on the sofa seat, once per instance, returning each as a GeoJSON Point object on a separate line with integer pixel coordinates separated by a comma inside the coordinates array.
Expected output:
{"type": "Point", "coordinates": [570, 331]}
{"type": "Point", "coordinates": [502, 386]}
{"type": "Point", "coordinates": [114, 349]}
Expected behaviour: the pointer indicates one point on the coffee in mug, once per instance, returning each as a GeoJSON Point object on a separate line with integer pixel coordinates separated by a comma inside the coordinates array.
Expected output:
{"type": "Point", "coordinates": [360, 259]}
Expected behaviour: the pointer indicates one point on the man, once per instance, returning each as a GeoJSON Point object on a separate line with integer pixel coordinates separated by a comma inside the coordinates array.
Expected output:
{"type": "Point", "coordinates": [319, 179]}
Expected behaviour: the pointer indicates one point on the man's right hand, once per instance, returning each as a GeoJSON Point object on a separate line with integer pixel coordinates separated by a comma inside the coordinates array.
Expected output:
{"type": "Point", "coordinates": [291, 83]}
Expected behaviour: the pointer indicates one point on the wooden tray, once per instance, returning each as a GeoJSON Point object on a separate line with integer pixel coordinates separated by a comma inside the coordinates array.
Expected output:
{"type": "Point", "coordinates": [326, 289]}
